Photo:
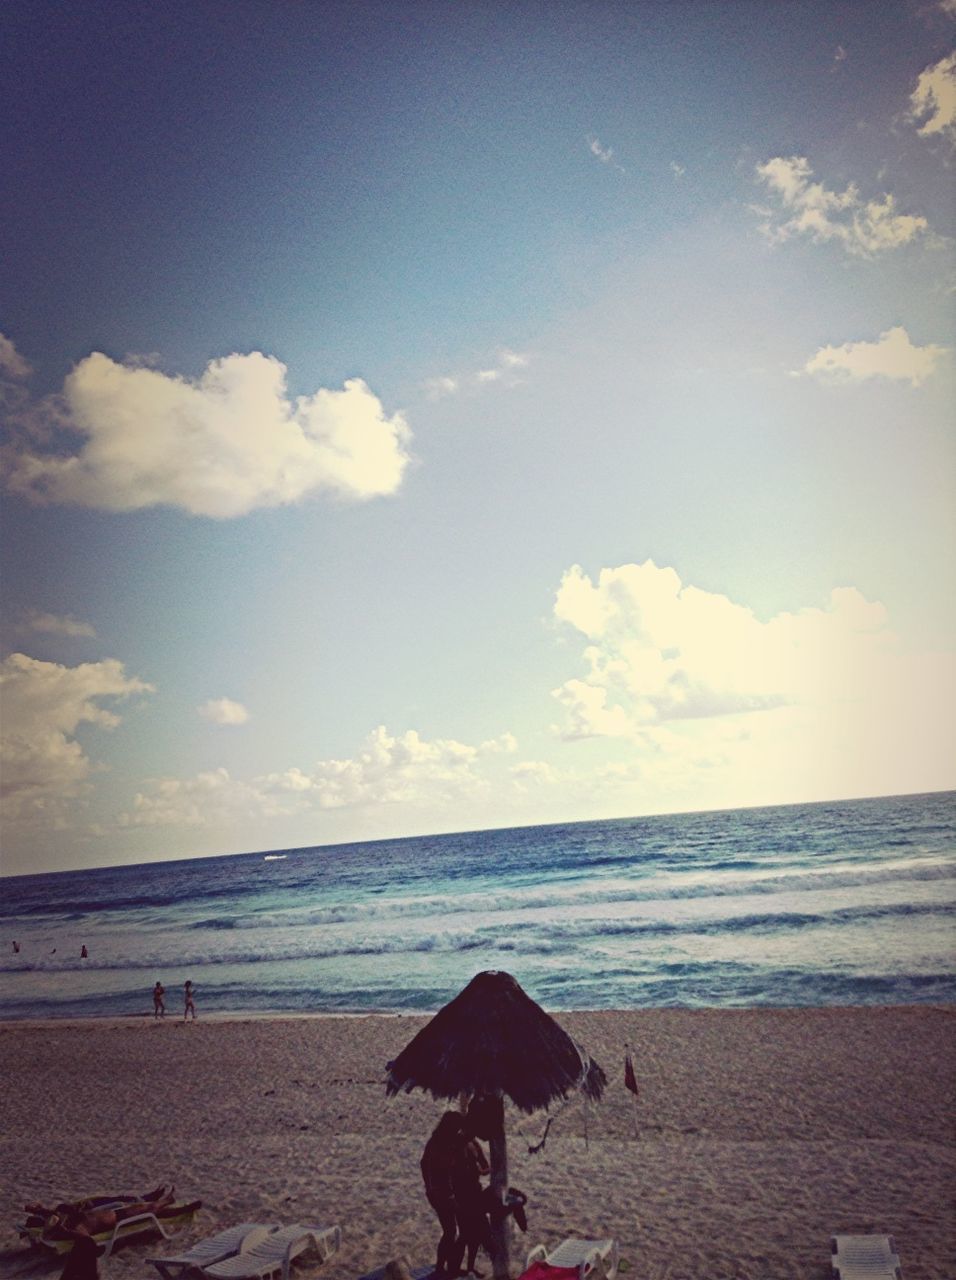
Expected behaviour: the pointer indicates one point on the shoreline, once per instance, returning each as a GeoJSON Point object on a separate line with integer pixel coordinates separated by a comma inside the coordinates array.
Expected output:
{"type": "Point", "coordinates": [219, 1017]}
{"type": "Point", "coordinates": [757, 1133]}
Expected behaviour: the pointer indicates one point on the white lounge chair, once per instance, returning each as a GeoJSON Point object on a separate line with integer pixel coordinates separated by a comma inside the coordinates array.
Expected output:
{"type": "Point", "coordinates": [864, 1258]}
{"type": "Point", "coordinates": [274, 1254]}
{"type": "Point", "coordinates": [213, 1249]}
{"type": "Point", "coordinates": [592, 1258]}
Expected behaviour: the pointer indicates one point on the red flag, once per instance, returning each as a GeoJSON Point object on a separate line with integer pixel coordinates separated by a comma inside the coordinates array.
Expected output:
{"type": "Point", "coordinates": [630, 1081]}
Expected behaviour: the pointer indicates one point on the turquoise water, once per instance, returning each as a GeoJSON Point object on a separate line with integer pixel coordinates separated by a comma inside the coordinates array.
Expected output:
{"type": "Point", "coordinates": [837, 903]}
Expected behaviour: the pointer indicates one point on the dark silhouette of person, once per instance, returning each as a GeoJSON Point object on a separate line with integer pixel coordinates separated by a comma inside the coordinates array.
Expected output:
{"type": "Point", "coordinates": [159, 1004]}
{"type": "Point", "coordinates": [438, 1159]}
{"type": "Point", "coordinates": [84, 954]}
{"type": "Point", "coordinates": [16, 948]}
{"type": "Point", "coordinates": [471, 1204]}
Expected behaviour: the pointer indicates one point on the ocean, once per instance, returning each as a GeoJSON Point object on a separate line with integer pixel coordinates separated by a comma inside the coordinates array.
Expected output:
{"type": "Point", "coordinates": [842, 903]}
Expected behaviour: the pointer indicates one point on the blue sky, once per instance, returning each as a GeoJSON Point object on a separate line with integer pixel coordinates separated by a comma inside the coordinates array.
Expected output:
{"type": "Point", "coordinates": [436, 416]}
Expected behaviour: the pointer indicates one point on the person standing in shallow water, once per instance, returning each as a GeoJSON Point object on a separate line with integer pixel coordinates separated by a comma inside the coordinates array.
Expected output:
{"type": "Point", "coordinates": [159, 1004]}
{"type": "Point", "coordinates": [190, 1004]}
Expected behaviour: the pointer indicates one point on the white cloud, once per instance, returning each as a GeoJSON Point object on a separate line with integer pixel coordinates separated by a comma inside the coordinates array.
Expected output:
{"type": "Point", "coordinates": [507, 363]}
{"type": "Point", "coordinates": [438, 388]}
{"type": "Point", "coordinates": [224, 711]}
{"type": "Point", "coordinates": [705, 704]}
{"type": "Point", "coordinates": [862, 227]}
{"type": "Point", "coordinates": [44, 704]}
{"type": "Point", "coordinates": [660, 651]}
{"type": "Point", "coordinates": [933, 101]}
{"type": "Point", "coordinates": [893, 356]}
{"type": "Point", "coordinates": [600, 152]}
{"type": "Point", "coordinates": [678, 170]}
{"type": "Point", "coordinates": [12, 364]}
{"type": "Point", "coordinates": [222, 445]}
{"type": "Point", "coordinates": [53, 624]}
{"type": "Point", "coordinates": [389, 769]}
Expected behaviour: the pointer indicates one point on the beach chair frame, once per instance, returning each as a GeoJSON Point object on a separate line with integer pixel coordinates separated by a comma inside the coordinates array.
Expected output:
{"type": "Point", "coordinates": [864, 1257]}
{"type": "Point", "coordinates": [594, 1259]}
{"type": "Point", "coordinates": [276, 1252]}
{"type": "Point", "coordinates": [211, 1249]}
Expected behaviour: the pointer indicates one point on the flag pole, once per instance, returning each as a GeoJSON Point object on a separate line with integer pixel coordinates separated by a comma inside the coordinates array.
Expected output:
{"type": "Point", "coordinates": [630, 1083]}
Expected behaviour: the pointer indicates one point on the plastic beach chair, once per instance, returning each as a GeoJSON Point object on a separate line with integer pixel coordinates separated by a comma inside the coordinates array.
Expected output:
{"type": "Point", "coordinates": [175, 1215]}
{"type": "Point", "coordinates": [864, 1258]}
{"type": "Point", "coordinates": [275, 1253]}
{"type": "Point", "coordinates": [589, 1258]}
{"type": "Point", "coordinates": [213, 1249]}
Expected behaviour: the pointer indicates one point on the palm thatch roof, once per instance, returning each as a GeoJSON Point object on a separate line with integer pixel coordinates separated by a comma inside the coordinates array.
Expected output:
{"type": "Point", "coordinates": [493, 1038]}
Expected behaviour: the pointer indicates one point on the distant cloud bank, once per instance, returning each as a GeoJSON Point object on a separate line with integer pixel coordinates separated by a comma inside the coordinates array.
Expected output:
{"type": "Point", "coordinates": [221, 445]}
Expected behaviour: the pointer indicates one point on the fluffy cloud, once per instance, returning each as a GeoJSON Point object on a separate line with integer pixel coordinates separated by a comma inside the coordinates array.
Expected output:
{"type": "Point", "coordinates": [705, 704]}
{"type": "Point", "coordinates": [222, 445]}
{"type": "Point", "coordinates": [893, 355]}
{"type": "Point", "coordinates": [224, 711]}
{"type": "Point", "coordinates": [660, 651]}
{"type": "Point", "coordinates": [933, 101]}
{"type": "Point", "coordinates": [862, 227]}
{"type": "Point", "coordinates": [12, 364]}
{"type": "Point", "coordinates": [389, 769]}
{"type": "Point", "coordinates": [43, 703]}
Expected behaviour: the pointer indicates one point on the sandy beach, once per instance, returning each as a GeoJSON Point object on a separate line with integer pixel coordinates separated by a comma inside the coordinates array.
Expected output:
{"type": "Point", "coordinates": [757, 1134]}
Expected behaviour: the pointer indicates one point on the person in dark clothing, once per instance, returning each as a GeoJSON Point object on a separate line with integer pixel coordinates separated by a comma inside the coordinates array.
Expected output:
{"type": "Point", "coordinates": [437, 1162]}
{"type": "Point", "coordinates": [471, 1206]}
{"type": "Point", "coordinates": [81, 1260]}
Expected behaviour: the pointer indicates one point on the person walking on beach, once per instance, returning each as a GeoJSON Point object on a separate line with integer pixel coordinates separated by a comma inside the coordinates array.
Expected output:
{"type": "Point", "coordinates": [159, 1004]}
{"type": "Point", "coordinates": [190, 1005]}
{"type": "Point", "coordinates": [437, 1162]}
{"type": "Point", "coordinates": [84, 954]}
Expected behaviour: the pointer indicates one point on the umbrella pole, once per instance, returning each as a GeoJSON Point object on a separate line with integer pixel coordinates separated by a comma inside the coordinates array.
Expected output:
{"type": "Point", "coordinates": [498, 1159]}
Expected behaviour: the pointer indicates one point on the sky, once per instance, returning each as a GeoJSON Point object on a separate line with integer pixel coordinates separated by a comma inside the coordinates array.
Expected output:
{"type": "Point", "coordinates": [429, 417]}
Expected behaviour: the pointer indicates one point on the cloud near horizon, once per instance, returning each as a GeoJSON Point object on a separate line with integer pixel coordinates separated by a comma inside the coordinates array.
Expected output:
{"type": "Point", "coordinates": [818, 701]}
{"type": "Point", "coordinates": [44, 703]}
{"type": "Point", "coordinates": [222, 445]}
{"type": "Point", "coordinates": [389, 769]}
{"type": "Point", "coordinates": [661, 651]}
{"type": "Point", "coordinates": [862, 227]}
{"type": "Point", "coordinates": [892, 356]}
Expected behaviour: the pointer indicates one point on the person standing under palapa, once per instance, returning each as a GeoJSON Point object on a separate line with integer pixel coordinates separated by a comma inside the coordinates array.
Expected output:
{"type": "Point", "coordinates": [437, 1161]}
{"type": "Point", "coordinates": [469, 1165]}
{"type": "Point", "coordinates": [190, 1004]}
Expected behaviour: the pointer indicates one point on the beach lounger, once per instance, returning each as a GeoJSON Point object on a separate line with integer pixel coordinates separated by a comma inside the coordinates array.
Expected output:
{"type": "Point", "coordinates": [864, 1258]}
{"type": "Point", "coordinates": [166, 1222]}
{"type": "Point", "coordinates": [213, 1249]}
{"type": "Point", "coordinates": [585, 1258]}
{"type": "Point", "coordinates": [274, 1255]}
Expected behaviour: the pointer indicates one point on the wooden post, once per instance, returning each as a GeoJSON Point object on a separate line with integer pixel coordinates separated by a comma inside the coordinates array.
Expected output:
{"type": "Point", "coordinates": [498, 1159]}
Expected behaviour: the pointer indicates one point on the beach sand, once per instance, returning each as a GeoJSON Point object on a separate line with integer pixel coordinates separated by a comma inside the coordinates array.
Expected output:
{"type": "Point", "coordinates": [759, 1133]}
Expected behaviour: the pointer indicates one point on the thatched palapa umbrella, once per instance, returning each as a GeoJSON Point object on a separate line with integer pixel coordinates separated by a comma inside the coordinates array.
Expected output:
{"type": "Point", "coordinates": [492, 1041]}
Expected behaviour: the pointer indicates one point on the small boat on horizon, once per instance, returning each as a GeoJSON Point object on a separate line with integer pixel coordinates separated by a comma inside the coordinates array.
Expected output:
{"type": "Point", "coordinates": [274, 857]}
